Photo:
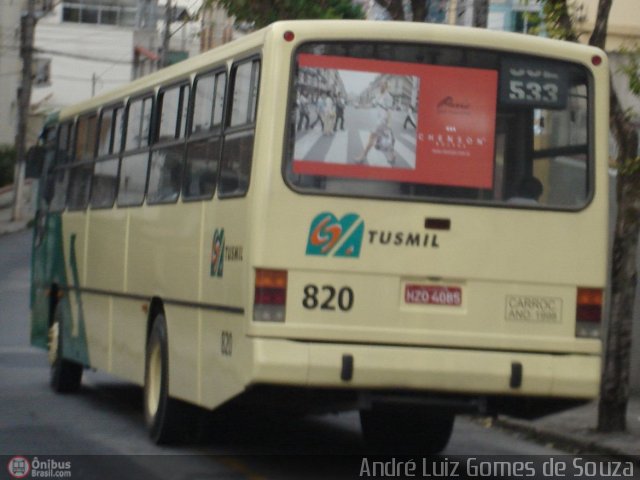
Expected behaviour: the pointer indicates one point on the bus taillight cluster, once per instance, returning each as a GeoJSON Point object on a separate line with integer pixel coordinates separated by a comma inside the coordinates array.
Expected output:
{"type": "Point", "coordinates": [589, 312]}
{"type": "Point", "coordinates": [270, 295]}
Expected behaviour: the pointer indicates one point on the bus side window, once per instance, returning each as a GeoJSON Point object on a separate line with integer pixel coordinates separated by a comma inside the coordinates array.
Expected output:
{"type": "Point", "coordinates": [60, 172]}
{"type": "Point", "coordinates": [82, 168]}
{"type": "Point", "coordinates": [105, 174]}
{"type": "Point", "coordinates": [237, 149]}
{"type": "Point", "coordinates": [135, 159]}
{"type": "Point", "coordinates": [167, 154]}
{"type": "Point", "coordinates": [46, 190]}
{"type": "Point", "coordinates": [205, 141]}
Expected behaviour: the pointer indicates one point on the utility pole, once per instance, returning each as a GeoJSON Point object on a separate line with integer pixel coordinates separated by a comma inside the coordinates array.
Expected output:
{"type": "Point", "coordinates": [164, 58]}
{"type": "Point", "coordinates": [27, 30]}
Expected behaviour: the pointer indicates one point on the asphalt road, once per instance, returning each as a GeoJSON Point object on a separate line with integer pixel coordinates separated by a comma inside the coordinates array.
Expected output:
{"type": "Point", "coordinates": [100, 430]}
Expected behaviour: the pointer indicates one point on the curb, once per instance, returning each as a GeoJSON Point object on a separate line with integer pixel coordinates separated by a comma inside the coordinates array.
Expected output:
{"type": "Point", "coordinates": [571, 442]}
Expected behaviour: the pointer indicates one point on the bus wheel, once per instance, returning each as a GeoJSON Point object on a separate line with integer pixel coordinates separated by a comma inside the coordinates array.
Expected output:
{"type": "Point", "coordinates": [66, 375]}
{"type": "Point", "coordinates": [160, 411]}
{"type": "Point", "coordinates": [409, 430]}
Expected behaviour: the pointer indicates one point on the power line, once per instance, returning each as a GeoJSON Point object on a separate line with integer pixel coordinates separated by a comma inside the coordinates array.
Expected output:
{"type": "Point", "coordinates": [80, 56]}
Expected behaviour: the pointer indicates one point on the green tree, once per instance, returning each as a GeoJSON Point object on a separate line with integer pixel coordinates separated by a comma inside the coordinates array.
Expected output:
{"type": "Point", "coordinates": [7, 163]}
{"type": "Point", "coordinates": [263, 12]}
{"type": "Point", "coordinates": [614, 391]}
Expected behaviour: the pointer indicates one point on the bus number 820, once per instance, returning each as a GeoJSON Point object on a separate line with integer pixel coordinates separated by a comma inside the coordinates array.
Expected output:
{"type": "Point", "coordinates": [327, 297]}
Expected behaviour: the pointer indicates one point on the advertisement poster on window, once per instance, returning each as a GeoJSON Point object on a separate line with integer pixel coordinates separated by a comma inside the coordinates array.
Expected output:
{"type": "Point", "coordinates": [395, 121]}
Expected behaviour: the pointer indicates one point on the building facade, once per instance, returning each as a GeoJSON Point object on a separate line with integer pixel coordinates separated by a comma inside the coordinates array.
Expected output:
{"type": "Point", "coordinates": [10, 65]}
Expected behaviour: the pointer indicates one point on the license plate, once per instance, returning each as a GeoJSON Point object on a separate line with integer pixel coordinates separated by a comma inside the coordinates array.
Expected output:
{"type": "Point", "coordinates": [433, 295]}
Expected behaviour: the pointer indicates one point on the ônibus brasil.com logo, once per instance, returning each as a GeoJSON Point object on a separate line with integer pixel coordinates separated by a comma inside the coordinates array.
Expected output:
{"type": "Point", "coordinates": [19, 467]}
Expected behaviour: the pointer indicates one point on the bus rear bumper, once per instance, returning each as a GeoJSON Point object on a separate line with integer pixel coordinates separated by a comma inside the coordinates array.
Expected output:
{"type": "Point", "coordinates": [428, 369]}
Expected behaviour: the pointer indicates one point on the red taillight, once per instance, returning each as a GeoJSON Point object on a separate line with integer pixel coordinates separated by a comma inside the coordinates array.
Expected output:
{"type": "Point", "coordinates": [270, 295]}
{"type": "Point", "coordinates": [589, 303]}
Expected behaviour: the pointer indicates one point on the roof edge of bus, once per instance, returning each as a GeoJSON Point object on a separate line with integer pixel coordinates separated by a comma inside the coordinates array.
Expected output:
{"type": "Point", "coordinates": [390, 27]}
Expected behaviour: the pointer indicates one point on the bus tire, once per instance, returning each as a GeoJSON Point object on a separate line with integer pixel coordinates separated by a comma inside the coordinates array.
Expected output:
{"type": "Point", "coordinates": [65, 375]}
{"type": "Point", "coordinates": [406, 430]}
{"type": "Point", "coordinates": [161, 412]}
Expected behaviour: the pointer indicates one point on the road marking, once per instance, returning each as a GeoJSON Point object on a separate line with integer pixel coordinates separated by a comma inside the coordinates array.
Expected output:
{"type": "Point", "coordinates": [304, 145]}
{"type": "Point", "coordinates": [338, 151]}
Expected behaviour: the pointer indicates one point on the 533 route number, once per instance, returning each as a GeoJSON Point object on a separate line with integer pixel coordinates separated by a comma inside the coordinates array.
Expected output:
{"type": "Point", "coordinates": [327, 297]}
{"type": "Point", "coordinates": [533, 83]}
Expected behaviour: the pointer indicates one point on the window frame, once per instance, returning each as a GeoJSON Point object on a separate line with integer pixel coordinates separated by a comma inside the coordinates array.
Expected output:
{"type": "Point", "coordinates": [114, 151]}
{"type": "Point", "coordinates": [214, 131]}
{"type": "Point", "coordinates": [179, 137]}
{"type": "Point", "coordinates": [249, 126]}
{"type": "Point", "coordinates": [78, 163]}
{"type": "Point", "coordinates": [142, 149]}
{"type": "Point", "coordinates": [62, 166]}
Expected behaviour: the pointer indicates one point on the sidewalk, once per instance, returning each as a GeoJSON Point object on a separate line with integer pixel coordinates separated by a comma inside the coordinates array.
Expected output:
{"type": "Point", "coordinates": [6, 203]}
{"type": "Point", "coordinates": [7, 227]}
{"type": "Point", "coordinates": [575, 430]}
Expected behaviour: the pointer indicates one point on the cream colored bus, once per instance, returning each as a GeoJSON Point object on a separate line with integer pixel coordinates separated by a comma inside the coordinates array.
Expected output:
{"type": "Point", "coordinates": [400, 218]}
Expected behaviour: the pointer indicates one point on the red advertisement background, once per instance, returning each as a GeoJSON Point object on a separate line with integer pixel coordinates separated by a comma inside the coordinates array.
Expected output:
{"type": "Point", "coordinates": [455, 124]}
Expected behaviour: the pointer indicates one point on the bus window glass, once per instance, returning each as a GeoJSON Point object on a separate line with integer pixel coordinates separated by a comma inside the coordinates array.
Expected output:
{"type": "Point", "coordinates": [167, 156]}
{"type": "Point", "coordinates": [237, 149]}
{"type": "Point", "coordinates": [61, 171]}
{"type": "Point", "coordinates": [105, 134]}
{"type": "Point", "coordinates": [203, 103]}
{"type": "Point", "coordinates": [138, 122]}
{"type": "Point", "coordinates": [85, 138]}
{"type": "Point", "coordinates": [46, 192]}
{"type": "Point", "coordinates": [118, 130]}
{"type": "Point", "coordinates": [172, 103]}
{"type": "Point", "coordinates": [245, 91]}
{"type": "Point", "coordinates": [105, 183]}
{"type": "Point", "coordinates": [219, 95]}
{"type": "Point", "coordinates": [202, 167]}
{"type": "Point", "coordinates": [133, 168]}
{"type": "Point", "coordinates": [82, 169]}
{"type": "Point", "coordinates": [203, 154]}
{"type": "Point", "coordinates": [236, 164]}
{"type": "Point", "coordinates": [133, 179]}
{"type": "Point", "coordinates": [400, 121]}
{"type": "Point", "coordinates": [208, 102]}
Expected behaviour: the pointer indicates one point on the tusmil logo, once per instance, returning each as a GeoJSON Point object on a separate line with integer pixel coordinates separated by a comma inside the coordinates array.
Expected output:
{"type": "Point", "coordinates": [217, 250]}
{"type": "Point", "coordinates": [340, 238]}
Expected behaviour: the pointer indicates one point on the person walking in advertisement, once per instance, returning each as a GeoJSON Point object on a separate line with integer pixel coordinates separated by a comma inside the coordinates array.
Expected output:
{"type": "Point", "coordinates": [382, 136]}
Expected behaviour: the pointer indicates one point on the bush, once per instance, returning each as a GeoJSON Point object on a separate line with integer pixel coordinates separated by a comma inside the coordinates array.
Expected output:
{"type": "Point", "coordinates": [7, 162]}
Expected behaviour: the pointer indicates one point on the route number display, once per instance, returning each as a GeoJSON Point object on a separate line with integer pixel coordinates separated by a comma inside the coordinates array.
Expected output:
{"type": "Point", "coordinates": [535, 84]}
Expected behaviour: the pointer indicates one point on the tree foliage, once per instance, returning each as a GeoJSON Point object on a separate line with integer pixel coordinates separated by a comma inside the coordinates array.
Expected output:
{"type": "Point", "coordinates": [558, 22]}
{"type": "Point", "coordinates": [263, 12]}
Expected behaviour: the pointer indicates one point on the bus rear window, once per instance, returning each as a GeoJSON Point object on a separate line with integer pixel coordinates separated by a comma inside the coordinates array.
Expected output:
{"type": "Point", "coordinates": [446, 124]}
